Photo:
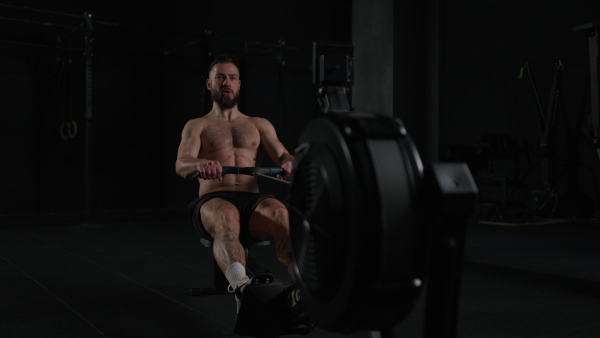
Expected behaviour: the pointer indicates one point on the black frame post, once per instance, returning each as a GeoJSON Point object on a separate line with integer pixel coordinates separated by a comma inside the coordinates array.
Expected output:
{"type": "Point", "coordinates": [591, 31]}
{"type": "Point", "coordinates": [89, 39]}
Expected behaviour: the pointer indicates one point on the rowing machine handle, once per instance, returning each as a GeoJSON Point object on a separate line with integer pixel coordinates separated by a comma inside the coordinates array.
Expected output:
{"type": "Point", "coordinates": [252, 171]}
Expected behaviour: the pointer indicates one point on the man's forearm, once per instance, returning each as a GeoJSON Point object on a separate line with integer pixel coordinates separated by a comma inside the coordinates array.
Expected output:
{"type": "Point", "coordinates": [186, 167]}
{"type": "Point", "coordinates": [285, 158]}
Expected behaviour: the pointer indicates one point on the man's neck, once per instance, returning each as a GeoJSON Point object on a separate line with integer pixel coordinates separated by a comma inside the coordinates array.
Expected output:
{"type": "Point", "coordinates": [227, 114]}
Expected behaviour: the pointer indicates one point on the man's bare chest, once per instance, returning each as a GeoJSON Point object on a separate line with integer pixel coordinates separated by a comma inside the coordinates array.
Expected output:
{"type": "Point", "coordinates": [221, 135]}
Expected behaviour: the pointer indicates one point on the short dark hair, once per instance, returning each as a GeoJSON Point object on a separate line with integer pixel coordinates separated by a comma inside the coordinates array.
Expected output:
{"type": "Point", "coordinates": [223, 58]}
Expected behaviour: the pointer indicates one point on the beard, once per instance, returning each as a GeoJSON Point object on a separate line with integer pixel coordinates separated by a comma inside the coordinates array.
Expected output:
{"type": "Point", "coordinates": [224, 102]}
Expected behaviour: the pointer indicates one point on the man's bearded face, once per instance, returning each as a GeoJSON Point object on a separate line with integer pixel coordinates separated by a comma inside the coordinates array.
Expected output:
{"type": "Point", "coordinates": [225, 97]}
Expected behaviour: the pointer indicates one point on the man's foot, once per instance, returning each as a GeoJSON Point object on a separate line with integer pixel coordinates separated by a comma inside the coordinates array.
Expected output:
{"type": "Point", "coordinates": [260, 278]}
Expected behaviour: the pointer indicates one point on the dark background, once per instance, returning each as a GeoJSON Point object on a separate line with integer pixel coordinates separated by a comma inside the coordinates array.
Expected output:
{"type": "Point", "coordinates": [149, 70]}
{"type": "Point", "coordinates": [485, 105]}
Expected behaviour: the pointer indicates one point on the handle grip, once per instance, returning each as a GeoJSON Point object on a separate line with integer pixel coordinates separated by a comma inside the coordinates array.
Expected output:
{"type": "Point", "coordinates": [251, 171]}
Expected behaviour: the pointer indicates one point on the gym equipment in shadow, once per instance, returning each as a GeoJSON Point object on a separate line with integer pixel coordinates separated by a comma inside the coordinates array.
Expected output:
{"type": "Point", "coordinates": [370, 225]}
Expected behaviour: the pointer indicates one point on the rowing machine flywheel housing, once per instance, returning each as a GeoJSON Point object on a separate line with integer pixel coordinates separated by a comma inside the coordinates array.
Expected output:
{"type": "Point", "coordinates": [357, 239]}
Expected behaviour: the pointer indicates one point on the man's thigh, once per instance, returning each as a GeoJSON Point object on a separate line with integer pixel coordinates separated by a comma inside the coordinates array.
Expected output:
{"type": "Point", "coordinates": [219, 216]}
{"type": "Point", "coordinates": [269, 218]}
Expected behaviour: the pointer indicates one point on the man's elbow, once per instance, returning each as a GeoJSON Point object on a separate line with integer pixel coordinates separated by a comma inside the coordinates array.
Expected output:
{"type": "Point", "coordinates": [179, 169]}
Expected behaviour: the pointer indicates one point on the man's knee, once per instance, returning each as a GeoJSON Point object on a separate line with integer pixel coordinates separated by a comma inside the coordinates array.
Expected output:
{"type": "Point", "coordinates": [279, 220]}
{"type": "Point", "coordinates": [221, 221]}
{"type": "Point", "coordinates": [280, 214]}
{"type": "Point", "coordinates": [269, 220]}
{"type": "Point", "coordinates": [273, 209]}
{"type": "Point", "coordinates": [229, 215]}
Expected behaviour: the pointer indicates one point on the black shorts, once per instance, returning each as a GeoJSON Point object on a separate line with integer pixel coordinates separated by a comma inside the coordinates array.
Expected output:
{"type": "Point", "coordinates": [245, 202]}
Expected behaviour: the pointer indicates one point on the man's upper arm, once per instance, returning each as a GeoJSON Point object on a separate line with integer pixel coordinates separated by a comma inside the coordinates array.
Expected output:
{"type": "Point", "coordinates": [271, 143]}
{"type": "Point", "coordinates": [190, 140]}
{"type": "Point", "coordinates": [189, 148]}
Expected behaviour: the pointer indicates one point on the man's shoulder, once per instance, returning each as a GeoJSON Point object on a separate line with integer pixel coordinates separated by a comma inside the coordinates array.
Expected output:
{"type": "Point", "coordinates": [199, 120]}
{"type": "Point", "coordinates": [259, 121]}
{"type": "Point", "coordinates": [195, 125]}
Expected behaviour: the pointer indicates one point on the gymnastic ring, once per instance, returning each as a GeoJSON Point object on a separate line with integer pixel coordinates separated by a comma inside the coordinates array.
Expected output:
{"type": "Point", "coordinates": [68, 130]}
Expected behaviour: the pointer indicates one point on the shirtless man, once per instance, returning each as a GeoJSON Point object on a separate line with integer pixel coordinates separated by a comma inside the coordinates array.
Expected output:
{"type": "Point", "coordinates": [232, 205]}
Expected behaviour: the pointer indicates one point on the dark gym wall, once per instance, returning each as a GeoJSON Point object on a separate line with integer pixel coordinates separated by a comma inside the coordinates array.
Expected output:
{"type": "Point", "coordinates": [143, 96]}
{"type": "Point", "coordinates": [149, 71]}
{"type": "Point", "coordinates": [487, 114]}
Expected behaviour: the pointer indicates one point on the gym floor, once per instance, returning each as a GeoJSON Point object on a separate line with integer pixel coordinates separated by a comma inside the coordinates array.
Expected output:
{"type": "Point", "coordinates": [133, 280]}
